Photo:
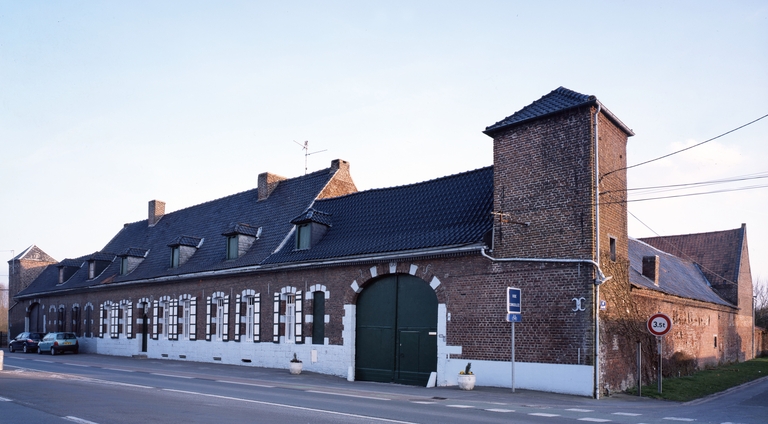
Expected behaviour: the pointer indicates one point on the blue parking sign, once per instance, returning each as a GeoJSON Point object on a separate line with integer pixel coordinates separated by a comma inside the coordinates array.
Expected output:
{"type": "Point", "coordinates": [513, 301]}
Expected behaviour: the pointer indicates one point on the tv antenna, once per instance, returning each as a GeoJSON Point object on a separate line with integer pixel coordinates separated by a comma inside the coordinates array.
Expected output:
{"type": "Point", "coordinates": [305, 147]}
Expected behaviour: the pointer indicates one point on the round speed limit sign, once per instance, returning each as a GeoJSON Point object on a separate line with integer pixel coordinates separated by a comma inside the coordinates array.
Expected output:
{"type": "Point", "coordinates": [659, 324]}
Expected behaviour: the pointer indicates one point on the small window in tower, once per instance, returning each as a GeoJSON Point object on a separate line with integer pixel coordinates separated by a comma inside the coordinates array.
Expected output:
{"type": "Point", "coordinates": [613, 248]}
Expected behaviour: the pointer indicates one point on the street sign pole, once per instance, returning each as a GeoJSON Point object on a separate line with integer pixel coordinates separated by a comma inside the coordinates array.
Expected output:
{"type": "Point", "coordinates": [660, 342]}
{"type": "Point", "coordinates": [513, 357]}
{"type": "Point", "coordinates": [659, 325]}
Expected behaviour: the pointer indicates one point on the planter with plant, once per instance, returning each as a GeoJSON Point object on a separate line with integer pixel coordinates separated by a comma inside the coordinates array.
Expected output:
{"type": "Point", "coordinates": [467, 378]}
{"type": "Point", "coordinates": [295, 365]}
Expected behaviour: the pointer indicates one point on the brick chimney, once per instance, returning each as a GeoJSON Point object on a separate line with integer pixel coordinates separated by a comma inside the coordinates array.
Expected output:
{"type": "Point", "coordinates": [156, 211]}
{"type": "Point", "coordinates": [651, 268]}
{"type": "Point", "coordinates": [267, 184]}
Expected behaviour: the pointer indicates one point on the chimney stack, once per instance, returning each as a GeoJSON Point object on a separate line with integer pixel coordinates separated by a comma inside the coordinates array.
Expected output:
{"type": "Point", "coordinates": [267, 184]}
{"type": "Point", "coordinates": [156, 211]}
{"type": "Point", "coordinates": [651, 268]}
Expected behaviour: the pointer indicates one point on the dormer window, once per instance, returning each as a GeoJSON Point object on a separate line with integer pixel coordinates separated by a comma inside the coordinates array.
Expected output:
{"type": "Point", "coordinates": [130, 259]}
{"type": "Point", "coordinates": [182, 248]}
{"type": "Point", "coordinates": [91, 269]}
{"type": "Point", "coordinates": [240, 238]}
{"type": "Point", "coordinates": [311, 226]}
{"type": "Point", "coordinates": [303, 235]}
{"type": "Point", "coordinates": [175, 255]}
{"type": "Point", "coordinates": [68, 268]}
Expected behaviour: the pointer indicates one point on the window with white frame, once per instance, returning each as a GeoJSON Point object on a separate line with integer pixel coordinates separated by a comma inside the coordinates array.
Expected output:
{"type": "Point", "coordinates": [187, 316]}
{"type": "Point", "coordinates": [217, 317]}
{"type": "Point", "coordinates": [164, 318]}
{"type": "Point", "coordinates": [88, 332]}
{"type": "Point", "coordinates": [125, 320]}
{"type": "Point", "coordinates": [247, 316]}
{"type": "Point", "coordinates": [288, 310]}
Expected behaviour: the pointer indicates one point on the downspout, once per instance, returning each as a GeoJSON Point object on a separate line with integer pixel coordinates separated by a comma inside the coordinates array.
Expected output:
{"type": "Point", "coordinates": [597, 253]}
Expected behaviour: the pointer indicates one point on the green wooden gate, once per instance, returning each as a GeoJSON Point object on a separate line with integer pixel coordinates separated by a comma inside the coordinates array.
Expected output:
{"type": "Point", "coordinates": [396, 331]}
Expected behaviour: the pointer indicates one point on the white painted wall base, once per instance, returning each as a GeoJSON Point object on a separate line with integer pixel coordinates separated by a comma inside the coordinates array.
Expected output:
{"type": "Point", "coordinates": [556, 378]}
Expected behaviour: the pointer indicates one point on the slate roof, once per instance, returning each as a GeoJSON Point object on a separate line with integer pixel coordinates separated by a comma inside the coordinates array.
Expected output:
{"type": "Point", "coordinates": [677, 276]}
{"type": "Point", "coordinates": [449, 211]}
{"type": "Point", "coordinates": [313, 215]}
{"type": "Point", "coordinates": [559, 100]}
{"type": "Point", "coordinates": [206, 221]}
{"type": "Point", "coordinates": [718, 252]}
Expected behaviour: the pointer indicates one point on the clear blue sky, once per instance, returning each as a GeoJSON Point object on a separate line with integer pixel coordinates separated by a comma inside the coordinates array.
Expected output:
{"type": "Point", "coordinates": [107, 105]}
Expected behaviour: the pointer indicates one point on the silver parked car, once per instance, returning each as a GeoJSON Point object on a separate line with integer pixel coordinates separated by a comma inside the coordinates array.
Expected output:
{"type": "Point", "coordinates": [57, 343]}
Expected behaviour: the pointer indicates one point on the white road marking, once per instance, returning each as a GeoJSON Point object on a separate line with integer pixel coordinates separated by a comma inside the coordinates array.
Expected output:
{"type": "Point", "coordinates": [423, 402]}
{"type": "Point", "coordinates": [366, 417]}
{"type": "Point", "coordinates": [500, 410]}
{"type": "Point", "coordinates": [542, 414]}
{"type": "Point", "coordinates": [77, 365]}
{"type": "Point", "coordinates": [627, 414]}
{"type": "Point", "coordinates": [170, 375]}
{"type": "Point", "coordinates": [678, 419]}
{"type": "Point", "coordinates": [348, 395]}
{"type": "Point", "coordinates": [460, 406]}
{"type": "Point", "coordinates": [245, 384]}
{"type": "Point", "coordinates": [117, 369]}
{"type": "Point", "coordinates": [43, 360]}
{"type": "Point", "coordinates": [594, 420]}
{"type": "Point", "coordinates": [78, 420]}
{"type": "Point", "coordinates": [579, 410]}
{"type": "Point", "coordinates": [2, 399]}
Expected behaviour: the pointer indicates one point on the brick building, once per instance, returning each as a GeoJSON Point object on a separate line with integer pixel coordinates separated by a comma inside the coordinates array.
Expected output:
{"type": "Point", "coordinates": [407, 284]}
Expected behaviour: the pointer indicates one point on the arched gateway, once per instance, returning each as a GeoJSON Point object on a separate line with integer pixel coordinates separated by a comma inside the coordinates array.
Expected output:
{"type": "Point", "coordinates": [396, 331]}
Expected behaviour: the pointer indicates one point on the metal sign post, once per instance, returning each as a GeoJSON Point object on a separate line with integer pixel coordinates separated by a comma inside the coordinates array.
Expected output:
{"type": "Point", "coordinates": [514, 312]}
{"type": "Point", "coordinates": [659, 325]}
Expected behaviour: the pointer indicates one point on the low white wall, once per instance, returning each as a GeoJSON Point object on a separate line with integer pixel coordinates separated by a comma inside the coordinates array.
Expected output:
{"type": "Point", "coordinates": [556, 378]}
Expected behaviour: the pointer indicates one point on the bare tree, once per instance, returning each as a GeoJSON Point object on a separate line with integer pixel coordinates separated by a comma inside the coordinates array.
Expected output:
{"type": "Point", "coordinates": [761, 302]}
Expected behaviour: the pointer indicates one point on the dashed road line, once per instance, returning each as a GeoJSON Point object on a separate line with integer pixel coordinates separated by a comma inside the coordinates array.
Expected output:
{"type": "Point", "coordinates": [302, 408]}
{"type": "Point", "coordinates": [118, 369]}
{"type": "Point", "coordinates": [678, 419]}
{"type": "Point", "coordinates": [579, 410]}
{"type": "Point", "coordinates": [246, 384]}
{"type": "Point", "coordinates": [500, 410]}
{"type": "Point", "coordinates": [627, 414]}
{"type": "Point", "coordinates": [78, 420]}
{"type": "Point", "coordinates": [345, 394]}
{"type": "Point", "coordinates": [171, 375]}
{"type": "Point", "coordinates": [423, 402]}
{"type": "Point", "coordinates": [2, 399]}
{"type": "Point", "coordinates": [543, 414]}
{"type": "Point", "coordinates": [77, 365]}
{"type": "Point", "coordinates": [594, 420]}
{"type": "Point", "coordinates": [460, 406]}
{"type": "Point", "coordinates": [43, 360]}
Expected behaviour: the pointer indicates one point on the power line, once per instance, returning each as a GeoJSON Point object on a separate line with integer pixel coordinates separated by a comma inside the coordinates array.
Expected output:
{"type": "Point", "coordinates": [671, 187]}
{"type": "Point", "coordinates": [687, 148]}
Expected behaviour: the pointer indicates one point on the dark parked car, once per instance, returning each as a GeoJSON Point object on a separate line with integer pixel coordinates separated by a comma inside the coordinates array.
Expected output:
{"type": "Point", "coordinates": [57, 343]}
{"type": "Point", "coordinates": [26, 342]}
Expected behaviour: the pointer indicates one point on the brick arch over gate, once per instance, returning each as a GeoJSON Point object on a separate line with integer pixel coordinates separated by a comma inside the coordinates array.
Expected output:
{"type": "Point", "coordinates": [396, 330]}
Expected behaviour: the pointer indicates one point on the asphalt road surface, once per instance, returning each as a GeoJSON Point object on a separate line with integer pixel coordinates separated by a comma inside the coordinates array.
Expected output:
{"type": "Point", "coordinates": [99, 389]}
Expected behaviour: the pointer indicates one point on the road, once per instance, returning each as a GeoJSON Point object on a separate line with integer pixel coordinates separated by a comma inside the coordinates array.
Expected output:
{"type": "Point", "coordinates": [99, 389]}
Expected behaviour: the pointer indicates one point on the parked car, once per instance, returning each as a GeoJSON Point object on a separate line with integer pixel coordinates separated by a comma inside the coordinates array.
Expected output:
{"type": "Point", "coordinates": [26, 342]}
{"type": "Point", "coordinates": [57, 343]}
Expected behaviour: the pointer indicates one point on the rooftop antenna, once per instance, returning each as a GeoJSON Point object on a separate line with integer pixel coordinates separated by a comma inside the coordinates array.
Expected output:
{"type": "Point", "coordinates": [305, 147]}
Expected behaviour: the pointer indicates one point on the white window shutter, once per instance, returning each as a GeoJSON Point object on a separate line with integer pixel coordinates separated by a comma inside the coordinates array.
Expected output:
{"type": "Point", "coordinates": [299, 317]}
{"type": "Point", "coordinates": [155, 319]}
{"type": "Point", "coordinates": [225, 326]}
{"type": "Point", "coordinates": [129, 321]}
{"type": "Point", "coordinates": [101, 321]}
{"type": "Point", "coordinates": [193, 319]}
{"type": "Point", "coordinates": [238, 307]}
{"type": "Point", "coordinates": [173, 317]}
{"type": "Point", "coordinates": [276, 320]}
{"type": "Point", "coordinates": [208, 319]}
{"type": "Point", "coordinates": [256, 317]}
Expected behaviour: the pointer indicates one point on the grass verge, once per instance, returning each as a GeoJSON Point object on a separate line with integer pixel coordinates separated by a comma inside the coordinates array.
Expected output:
{"type": "Point", "coordinates": [706, 382]}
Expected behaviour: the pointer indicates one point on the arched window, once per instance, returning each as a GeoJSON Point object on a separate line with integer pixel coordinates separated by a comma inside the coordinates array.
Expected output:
{"type": "Point", "coordinates": [187, 317]}
{"type": "Point", "coordinates": [247, 316]}
{"type": "Point", "coordinates": [217, 317]}
{"type": "Point", "coordinates": [164, 322]}
{"type": "Point", "coordinates": [76, 327]}
{"type": "Point", "coordinates": [288, 306]}
{"type": "Point", "coordinates": [88, 320]}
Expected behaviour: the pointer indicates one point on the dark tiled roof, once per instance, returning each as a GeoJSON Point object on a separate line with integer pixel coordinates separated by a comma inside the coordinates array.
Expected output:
{"type": "Point", "coordinates": [186, 241]}
{"type": "Point", "coordinates": [718, 253]}
{"type": "Point", "coordinates": [556, 101]}
{"type": "Point", "coordinates": [313, 215]}
{"type": "Point", "coordinates": [243, 229]}
{"type": "Point", "coordinates": [678, 277]}
{"type": "Point", "coordinates": [448, 211]}
{"type": "Point", "coordinates": [134, 251]}
{"type": "Point", "coordinates": [72, 262]}
{"type": "Point", "coordinates": [207, 221]}
{"type": "Point", "coordinates": [99, 256]}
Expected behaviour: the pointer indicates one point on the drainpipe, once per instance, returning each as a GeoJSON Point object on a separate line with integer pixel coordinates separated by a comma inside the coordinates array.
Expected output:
{"type": "Point", "coordinates": [597, 254]}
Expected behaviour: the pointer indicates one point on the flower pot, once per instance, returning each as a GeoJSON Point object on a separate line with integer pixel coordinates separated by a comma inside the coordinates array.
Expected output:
{"type": "Point", "coordinates": [295, 368]}
{"type": "Point", "coordinates": [466, 381]}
